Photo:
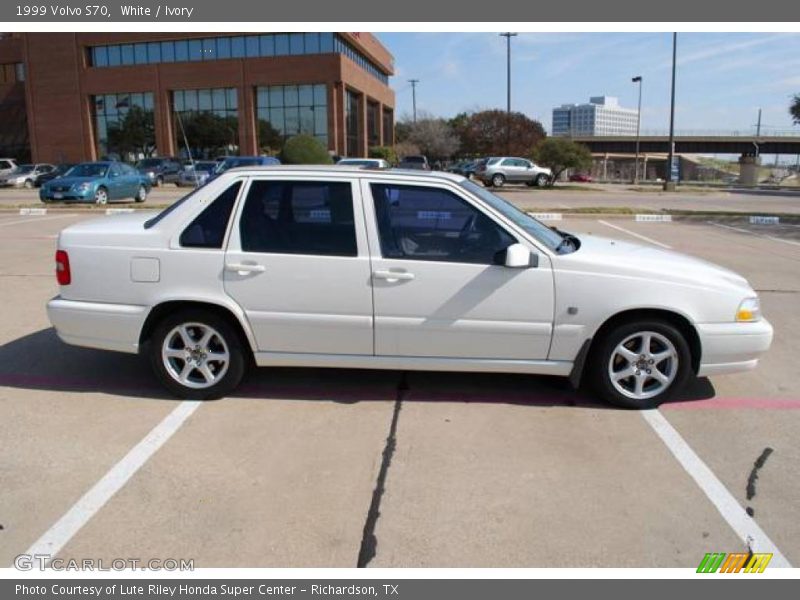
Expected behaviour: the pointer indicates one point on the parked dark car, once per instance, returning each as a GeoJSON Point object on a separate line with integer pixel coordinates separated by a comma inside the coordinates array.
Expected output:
{"type": "Point", "coordinates": [231, 162]}
{"type": "Point", "coordinates": [160, 170]}
{"type": "Point", "coordinates": [197, 174]}
{"type": "Point", "coordinates": [99, 182]}
{"type": "Point", "coordinates": [58, 171]}
{"type": "Point", "coordinates": [418, 162]}
{"type": "Point", "coordinates": [465, 168]}
{"type": "Point", "coordinates": [581, 178]}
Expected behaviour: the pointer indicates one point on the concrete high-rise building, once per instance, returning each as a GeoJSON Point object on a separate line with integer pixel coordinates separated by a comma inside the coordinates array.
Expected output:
{"type": "Point", "coordinates": [602, 115]}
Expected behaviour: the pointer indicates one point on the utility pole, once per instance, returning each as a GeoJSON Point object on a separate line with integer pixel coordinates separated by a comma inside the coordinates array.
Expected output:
{"type": "Point", "coordinates": [669, 185]}
{"type": "Point", "coordinates": [414, 83]}
{"type": "Point", "coordinates": [508, 35]}
{"type": "Point", "coordinates": [638, 79]}
{"type": "Point", "coordinates": [758, 125]}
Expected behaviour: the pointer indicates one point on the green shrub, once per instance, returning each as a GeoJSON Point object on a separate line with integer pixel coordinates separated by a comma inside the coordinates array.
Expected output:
{"type": "Point", "coordinates": [387, 153]}
{"type": "Point", "coordinates": [305, 150]}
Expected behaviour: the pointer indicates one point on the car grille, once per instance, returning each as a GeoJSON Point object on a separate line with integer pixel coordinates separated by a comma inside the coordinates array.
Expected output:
{"type": "Point", "coordinates": [60, 188]}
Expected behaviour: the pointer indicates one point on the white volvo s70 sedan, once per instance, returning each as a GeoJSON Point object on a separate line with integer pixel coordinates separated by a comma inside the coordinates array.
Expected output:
{"type": "Point", "coordinates": [388, 269]}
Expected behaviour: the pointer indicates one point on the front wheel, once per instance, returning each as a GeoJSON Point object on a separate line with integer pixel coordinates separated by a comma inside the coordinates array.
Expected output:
{"type": "Point", "coordinates": [640, 364]}
{"type": "Point", "coordinates": [197, 355]}
{"type": "Point", "coordinates": [101, 196]}
{"type": "Point", "coordinates": [141, 194]}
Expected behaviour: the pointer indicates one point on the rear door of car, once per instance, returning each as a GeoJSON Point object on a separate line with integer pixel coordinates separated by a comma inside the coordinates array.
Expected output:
{"type": "Point", "coordinates": [298, 264]}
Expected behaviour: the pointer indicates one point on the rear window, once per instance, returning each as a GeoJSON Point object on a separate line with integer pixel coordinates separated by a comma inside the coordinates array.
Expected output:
{"type": "Point", "coordinates": [208, 228]}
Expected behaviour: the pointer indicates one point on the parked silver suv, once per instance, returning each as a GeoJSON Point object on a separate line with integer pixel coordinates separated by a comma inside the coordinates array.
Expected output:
{"type": "Point", "coordinates": [499, 170]}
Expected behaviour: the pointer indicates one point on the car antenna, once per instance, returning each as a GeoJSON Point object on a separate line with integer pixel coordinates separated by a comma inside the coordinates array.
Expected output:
{"type": "Point", "coordinates": [186, 143]}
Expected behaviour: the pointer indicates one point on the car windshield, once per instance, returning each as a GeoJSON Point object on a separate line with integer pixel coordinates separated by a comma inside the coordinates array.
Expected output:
{"type": "Point", "coordinates": [148, 162]}
{"type": "Point", "coordinates": [24, 169]}
{"type": "Point", "coordinates": [88, 170]}
{"type": "Point", "coordinates": [550, 238]}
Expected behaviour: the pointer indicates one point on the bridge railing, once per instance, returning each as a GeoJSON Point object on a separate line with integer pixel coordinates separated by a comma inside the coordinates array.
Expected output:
{"type": "Point", "coordinates": [749, 133]}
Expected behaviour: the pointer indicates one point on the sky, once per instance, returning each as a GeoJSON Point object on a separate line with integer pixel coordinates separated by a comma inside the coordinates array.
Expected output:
{"type": "Point", "coordinates": [722, 78]}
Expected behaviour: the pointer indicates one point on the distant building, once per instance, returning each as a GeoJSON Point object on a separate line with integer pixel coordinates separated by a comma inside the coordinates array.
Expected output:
{"type": "Point", "coordinates": [602, 115]}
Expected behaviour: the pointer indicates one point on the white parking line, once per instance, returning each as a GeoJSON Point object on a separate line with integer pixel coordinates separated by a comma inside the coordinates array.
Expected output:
{"type": "Point", "coordinates": [36, 219]}
{"type": "Point", "coordinates": [634, 234]}
{"type": "Point", "coordinates": [742, 524]}
{"type": "Point", "coordinates": [761, 235]}
{"type": "Point", "coordinates": [55, 538]}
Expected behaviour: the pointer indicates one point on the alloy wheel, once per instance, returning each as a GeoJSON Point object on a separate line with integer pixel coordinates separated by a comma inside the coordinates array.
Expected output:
{"type": "Point", "coordinates": [643, 365]}
{"type": "Point", "coordinates": [195, 355]}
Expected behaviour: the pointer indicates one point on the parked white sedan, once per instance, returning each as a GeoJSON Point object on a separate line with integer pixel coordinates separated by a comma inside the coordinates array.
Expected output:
{"type": "Point", "coordinates": [344, 267]}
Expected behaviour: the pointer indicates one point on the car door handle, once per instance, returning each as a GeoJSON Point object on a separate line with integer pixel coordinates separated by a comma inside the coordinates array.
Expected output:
{"type": "Point", "coordinates": [243, 269]}
{"type": "Point", "coordinates": [393, 275]}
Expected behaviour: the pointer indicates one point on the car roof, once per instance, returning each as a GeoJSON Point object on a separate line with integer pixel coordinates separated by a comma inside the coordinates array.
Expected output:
{"type": "Point", "coordinates": [339, 170]}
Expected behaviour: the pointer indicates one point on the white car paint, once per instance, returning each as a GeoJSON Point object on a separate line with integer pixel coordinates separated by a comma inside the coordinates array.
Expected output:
{"type": "Point", "coordinates": [367, 311]}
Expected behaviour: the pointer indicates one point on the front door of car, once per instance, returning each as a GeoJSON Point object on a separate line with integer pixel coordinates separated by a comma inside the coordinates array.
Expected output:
{"type": "Point", "coordinates": [439, 285]}
{"type": "Point", "coordinates": [299, 266]}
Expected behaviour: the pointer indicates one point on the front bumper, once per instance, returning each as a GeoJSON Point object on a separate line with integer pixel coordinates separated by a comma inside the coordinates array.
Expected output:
{"type": "Point", "coordinates": [68, 196]}
{"type": "Point", "coordinates": [732, 347]}
{"type": "Point", "coordinates": [97, 325]}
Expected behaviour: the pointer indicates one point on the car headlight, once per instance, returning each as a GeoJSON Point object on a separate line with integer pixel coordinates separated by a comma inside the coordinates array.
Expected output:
{"type": "Point", "coordinates": [151, 174]}
{"type": "Point", "coordinates": [749, 311]}
{"type": "Point", "coordinates": [84, 187]}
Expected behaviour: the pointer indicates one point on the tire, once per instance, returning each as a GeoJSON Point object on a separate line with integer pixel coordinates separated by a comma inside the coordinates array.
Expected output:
{"type": "Point", "coordinates": [541, 180]}
{"type": "Point", "coordinates": [498, 179]}
{"type": "Point", "coordinates": [141, 194]}
{"type": "Point", "coordinates": [29, 184]}
{"type": "Point", "coordinates": [621, 351]}
{"type": "Point", "coordinates": [486, 183]}
{"type": "Point", "coordinates": [206, 379]}
{"type": "Point", "coordinates": [101, 195]}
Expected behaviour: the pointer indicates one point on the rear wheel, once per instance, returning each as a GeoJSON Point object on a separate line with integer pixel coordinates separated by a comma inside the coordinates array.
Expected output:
{"type": "Point", "coordinates": [498, 180]}
{"type": "Point", "coordinates": [197, 355]}
{"type": "Point", "coordinates": [541, 180]}
{"type": "Point", "coordinates": [640, 364]}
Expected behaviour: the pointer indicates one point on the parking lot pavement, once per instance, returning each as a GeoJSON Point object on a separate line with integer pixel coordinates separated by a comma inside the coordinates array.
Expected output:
{"type": "Point", "coordinates": [307, 467]}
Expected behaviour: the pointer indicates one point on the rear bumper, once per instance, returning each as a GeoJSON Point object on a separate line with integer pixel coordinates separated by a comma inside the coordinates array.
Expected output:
{"type": "Point", "coordinates": [97, 325]}
{"type": "Point", "coordinates": [732, 347]}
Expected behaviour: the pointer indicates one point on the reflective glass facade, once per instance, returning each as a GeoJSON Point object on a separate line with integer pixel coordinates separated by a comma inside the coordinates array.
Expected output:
{"type": "Point", "coordinates": [124, 125]}
{"type": "Point", "coordinates": [286, 110]}
{"type": "Point", "coordinates": [208, 119]}
{"type": "Point", "coordinates": [226, 47]}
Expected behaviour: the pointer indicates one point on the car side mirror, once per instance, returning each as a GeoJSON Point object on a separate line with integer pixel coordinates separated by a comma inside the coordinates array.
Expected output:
{"type": "Point", "coordinates": [519, 257]}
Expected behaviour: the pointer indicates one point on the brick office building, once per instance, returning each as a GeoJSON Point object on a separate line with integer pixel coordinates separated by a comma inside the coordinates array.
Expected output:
{"type": "Point", "coordinates": [67, 97]}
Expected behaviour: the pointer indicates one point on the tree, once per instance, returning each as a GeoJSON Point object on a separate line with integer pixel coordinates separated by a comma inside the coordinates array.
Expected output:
{"type": "Point", "coordinates": [305, 150]}
{"type": "Point", "coordinates": [387, 153]}
{"type": "Point", "coordinates": [794, 109]}
{"type": "Point", "coordinates": [134, 134]}
{"type": "Point", "coordinates": [559, 154]}
{"type": "Point", "coordinates": [270, 140]}
{"type": "Point", "coordinates": [484, 133]}
{"type": "Point", "coordinates": [209, 133]}
{"type": "Point", "coordinates": [434, 137]}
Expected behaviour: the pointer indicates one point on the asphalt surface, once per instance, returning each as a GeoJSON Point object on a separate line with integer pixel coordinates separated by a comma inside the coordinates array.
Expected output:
{"type": "Point", "coordinates": [327, 468]}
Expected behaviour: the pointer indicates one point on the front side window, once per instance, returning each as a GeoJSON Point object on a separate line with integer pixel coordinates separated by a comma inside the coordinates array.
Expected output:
{"type": "Point", "coordinates": [208, 228]}
{"type": "Point", "coordinates": [424, 223]}
{"type": "Point", "coordinates": [299, 217]}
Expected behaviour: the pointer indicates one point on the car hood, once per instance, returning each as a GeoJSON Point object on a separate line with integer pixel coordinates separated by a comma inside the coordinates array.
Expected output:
{"type": "Point", "coordinates": [629, 259]}
{"type": "Point", "coordinates": [73, 180]}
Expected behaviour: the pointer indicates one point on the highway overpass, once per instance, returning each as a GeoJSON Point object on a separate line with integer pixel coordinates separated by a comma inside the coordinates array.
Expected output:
{"type": "Point", "coordinates": [745, 145]}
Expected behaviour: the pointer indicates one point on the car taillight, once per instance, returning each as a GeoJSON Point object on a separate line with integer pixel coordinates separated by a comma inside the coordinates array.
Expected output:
{"type": "Point", "coordinates": [62, 268]}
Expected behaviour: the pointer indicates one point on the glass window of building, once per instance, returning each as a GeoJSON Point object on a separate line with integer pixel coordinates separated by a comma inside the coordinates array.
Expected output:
{"type": "Point", "coordinates": [373, 123]}
{"type": "Point", "coordinates": [352, 123]}
{"type": "Point", "coordinates": [124, 125]}
{"type": "Point", "coordinates": [287, 110]}
{"type": "Point", "coordinates": [209, 119]}
{"type": "Point", "coordinates": [388, 127]}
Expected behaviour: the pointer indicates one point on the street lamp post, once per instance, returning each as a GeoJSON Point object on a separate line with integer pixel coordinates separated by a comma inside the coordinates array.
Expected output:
{"type": "Point", "coordinates": [669, 185]}
{"type": "Point", "coordinates": [638, 79]}
{"type": "Point", "coordinates": [414, 83]}
{"type": "Point", "coordinates": [508, 35]}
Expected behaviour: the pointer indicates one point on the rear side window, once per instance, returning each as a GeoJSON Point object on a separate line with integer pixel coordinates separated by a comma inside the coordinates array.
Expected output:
{"type": "Point", "coordinates": [208, 228]}
{"type": "Point", "coordinates": [299, 217]}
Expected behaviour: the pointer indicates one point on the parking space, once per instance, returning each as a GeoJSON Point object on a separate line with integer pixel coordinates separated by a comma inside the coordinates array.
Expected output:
{"type": "Point", "coordinates": [308, 467]}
